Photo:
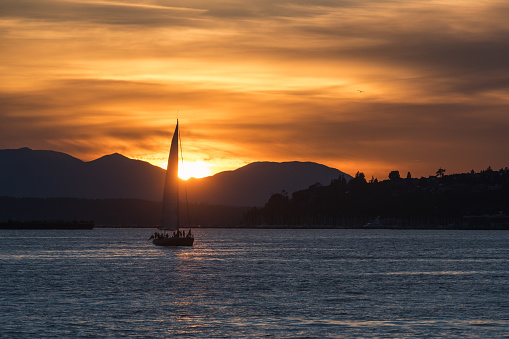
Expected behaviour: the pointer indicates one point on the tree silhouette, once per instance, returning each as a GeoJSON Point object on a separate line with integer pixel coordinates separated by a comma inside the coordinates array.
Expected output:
{"type": "Point", "coordinates": [440, 172]}
{"type": "Point", "coordinates": [394, 175]}
{"type": "Point", "coordinates": [359, 180]}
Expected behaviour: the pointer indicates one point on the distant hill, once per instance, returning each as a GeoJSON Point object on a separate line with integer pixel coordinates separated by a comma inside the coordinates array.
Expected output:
{"type": "Point", "coordinates": [48, 174]}
{"type": "Point", "coordinates": [253, 184]}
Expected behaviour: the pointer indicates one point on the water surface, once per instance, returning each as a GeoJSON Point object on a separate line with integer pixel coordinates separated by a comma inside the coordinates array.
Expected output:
{"type": "Point", "coordinates": [255, 283]}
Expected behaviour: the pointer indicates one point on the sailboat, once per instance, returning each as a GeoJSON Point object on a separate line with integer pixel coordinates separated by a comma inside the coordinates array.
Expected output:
{"type": "Point", "coordinates": [171, 235]}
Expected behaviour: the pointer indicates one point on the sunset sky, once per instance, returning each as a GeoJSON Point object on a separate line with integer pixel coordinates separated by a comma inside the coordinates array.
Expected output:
{"type": "Point", "coordinates": [370, 86]}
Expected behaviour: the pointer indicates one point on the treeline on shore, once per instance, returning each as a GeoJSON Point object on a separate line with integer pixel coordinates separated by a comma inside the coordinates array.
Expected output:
{"type": "Point", "coordinates": [458, 201]}
{"type": "Point", "coordinates": [116, 212]}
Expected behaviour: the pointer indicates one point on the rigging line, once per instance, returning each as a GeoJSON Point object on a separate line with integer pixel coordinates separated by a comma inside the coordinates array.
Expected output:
{"type": "Point", "coordinates": [185, 181]}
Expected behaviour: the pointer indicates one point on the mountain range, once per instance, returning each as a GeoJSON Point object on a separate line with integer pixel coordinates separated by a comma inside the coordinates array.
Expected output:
{"type": "Point", "coordinates": [47, 174]}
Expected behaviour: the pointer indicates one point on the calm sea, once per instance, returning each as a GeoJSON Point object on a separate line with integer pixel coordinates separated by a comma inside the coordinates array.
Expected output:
{"type": "Point", "coordinates": [255, 283]}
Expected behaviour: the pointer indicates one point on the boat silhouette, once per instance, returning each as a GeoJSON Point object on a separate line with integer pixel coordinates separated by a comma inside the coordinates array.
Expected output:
{"type": "Point", "coordinates": [170, 223]}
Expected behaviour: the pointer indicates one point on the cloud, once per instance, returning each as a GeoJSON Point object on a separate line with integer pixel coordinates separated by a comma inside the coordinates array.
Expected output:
{"type": "Point", "coordinates": [98, 12]}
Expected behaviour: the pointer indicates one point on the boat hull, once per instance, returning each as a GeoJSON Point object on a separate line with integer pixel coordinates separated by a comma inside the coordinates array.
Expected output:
{"type": "Point", "coordinates": [174, 241]}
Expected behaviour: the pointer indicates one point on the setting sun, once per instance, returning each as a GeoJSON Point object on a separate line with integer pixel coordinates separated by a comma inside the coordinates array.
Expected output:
{"type": "Point", "coordinates": [195, 169]}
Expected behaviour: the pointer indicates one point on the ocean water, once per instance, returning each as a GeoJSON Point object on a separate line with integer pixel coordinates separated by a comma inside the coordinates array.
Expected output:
{"type": "Point", "coordinates": [255, 283]}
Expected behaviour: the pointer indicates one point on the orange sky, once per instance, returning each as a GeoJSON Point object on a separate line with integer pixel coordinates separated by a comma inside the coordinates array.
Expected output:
{"type": "Point", "coordinates": [370, 86]}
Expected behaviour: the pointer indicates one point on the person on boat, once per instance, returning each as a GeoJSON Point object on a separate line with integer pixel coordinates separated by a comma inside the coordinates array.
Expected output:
{"type": "Point", "coordinates": [189, 235]}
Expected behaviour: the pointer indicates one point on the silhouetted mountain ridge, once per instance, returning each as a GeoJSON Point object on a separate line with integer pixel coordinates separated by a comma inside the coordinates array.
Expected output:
{"type": "Point", "coordinates": [259, 180]}
{"type": "Point", "coordinates": [47, 174]}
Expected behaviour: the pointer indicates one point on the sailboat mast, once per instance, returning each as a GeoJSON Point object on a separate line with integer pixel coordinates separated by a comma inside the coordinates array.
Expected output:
{"type": "Point", "coordinates": [185, 184]}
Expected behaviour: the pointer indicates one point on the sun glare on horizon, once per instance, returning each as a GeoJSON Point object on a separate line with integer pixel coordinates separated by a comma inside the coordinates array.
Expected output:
{"type": "Point", "coordinates": [194, 169]}
{"type": "Point", "coordinates": [200, 168]}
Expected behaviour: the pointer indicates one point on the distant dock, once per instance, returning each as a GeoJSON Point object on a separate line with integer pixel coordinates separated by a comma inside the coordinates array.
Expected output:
{"type": "Point", "coordinates": [47, 225]}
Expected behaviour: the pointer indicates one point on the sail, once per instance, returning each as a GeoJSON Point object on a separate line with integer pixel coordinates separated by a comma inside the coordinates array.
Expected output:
{"type": "Point", "coordinates": [170, 220]}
